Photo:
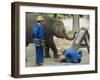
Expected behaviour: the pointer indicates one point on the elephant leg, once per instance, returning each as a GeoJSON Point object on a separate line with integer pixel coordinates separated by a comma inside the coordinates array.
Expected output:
{"type": "Point", "coordinates": [54, 49]}
{"type": "Point", "coordinates": [47, 55]}
{"type": "Point", "coordinates": [27, 43]}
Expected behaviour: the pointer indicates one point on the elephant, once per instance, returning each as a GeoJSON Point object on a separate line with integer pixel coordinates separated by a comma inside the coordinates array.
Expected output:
{"type": "Point", "coordinates": [53, 27]}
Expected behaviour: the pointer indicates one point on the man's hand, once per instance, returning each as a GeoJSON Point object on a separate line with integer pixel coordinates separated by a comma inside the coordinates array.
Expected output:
{"type": "Point", "coordinates": [43, 43]}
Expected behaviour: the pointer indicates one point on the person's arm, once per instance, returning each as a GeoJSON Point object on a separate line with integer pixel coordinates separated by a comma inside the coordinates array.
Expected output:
{"type": "Point", "coordinates": [35, 31]}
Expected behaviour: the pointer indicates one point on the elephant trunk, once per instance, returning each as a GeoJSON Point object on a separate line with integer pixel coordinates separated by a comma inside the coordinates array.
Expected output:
{"type": "Point", "coordinates": [70, 38]}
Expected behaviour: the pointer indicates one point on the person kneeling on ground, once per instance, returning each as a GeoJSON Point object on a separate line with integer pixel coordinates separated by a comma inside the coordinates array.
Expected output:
{"type": "Point", "coordinates": [71, 56]}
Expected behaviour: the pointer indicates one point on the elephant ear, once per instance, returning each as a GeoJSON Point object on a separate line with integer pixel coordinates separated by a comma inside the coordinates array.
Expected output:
{"type": "Point", "coordinates": [57, 27]}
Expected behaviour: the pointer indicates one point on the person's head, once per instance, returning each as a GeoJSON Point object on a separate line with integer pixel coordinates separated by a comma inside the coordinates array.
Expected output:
{"type": "Point", "coordinates": [41, 20]}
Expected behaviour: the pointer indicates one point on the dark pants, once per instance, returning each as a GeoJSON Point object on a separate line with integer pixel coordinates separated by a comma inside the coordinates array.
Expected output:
{"type": "Point", "coordinates": [39, 55]}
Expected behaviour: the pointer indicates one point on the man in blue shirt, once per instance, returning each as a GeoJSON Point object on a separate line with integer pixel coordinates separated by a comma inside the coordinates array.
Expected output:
{"type": "Point", "coordinates": [38, 39]}
{"type": "Point", "coordinates": [71, 55]}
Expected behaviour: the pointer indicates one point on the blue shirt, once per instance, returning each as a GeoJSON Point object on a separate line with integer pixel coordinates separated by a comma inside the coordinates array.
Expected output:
{"type": "Point", "coordinates": [73, 55]}
{"type": "Point", "coordinates": [38, 33]}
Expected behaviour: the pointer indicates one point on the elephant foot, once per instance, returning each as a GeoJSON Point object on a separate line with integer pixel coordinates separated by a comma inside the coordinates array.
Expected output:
{"type": "Point", "coordinates": [47, 56]}
{"type": "Point", "coordinates": [62, 61]}
{"type": "Point", "coordinates": [55, 56]}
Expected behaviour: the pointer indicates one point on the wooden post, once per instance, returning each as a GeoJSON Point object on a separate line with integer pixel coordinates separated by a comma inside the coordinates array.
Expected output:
{"type": "Point", "coordinates": [76, 22]}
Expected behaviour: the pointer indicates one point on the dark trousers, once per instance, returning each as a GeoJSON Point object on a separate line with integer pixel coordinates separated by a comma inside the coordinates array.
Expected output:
{"type": "Point", "coordinates": [39, 55]}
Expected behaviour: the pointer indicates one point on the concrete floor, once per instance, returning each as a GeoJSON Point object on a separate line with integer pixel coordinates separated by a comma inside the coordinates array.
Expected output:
{"type": "Point", "coordinates": [61, 44]}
